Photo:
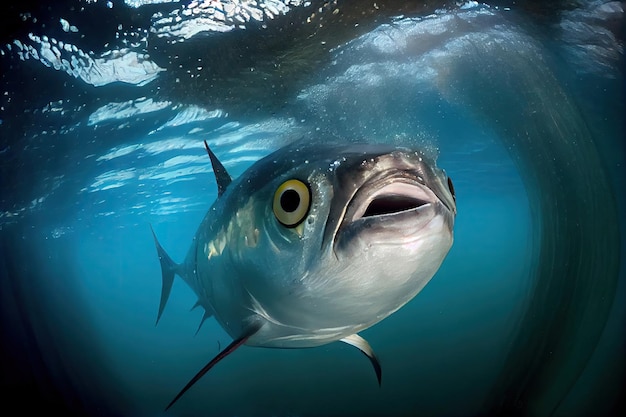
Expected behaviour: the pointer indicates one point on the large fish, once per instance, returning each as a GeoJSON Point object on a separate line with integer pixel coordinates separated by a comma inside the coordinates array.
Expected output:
{"type": "Point", "coordinates": [315, 243]}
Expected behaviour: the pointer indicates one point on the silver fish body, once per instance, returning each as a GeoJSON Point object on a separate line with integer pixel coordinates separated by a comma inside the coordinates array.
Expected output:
{"type": "Point", "coordinates": [315, 243]}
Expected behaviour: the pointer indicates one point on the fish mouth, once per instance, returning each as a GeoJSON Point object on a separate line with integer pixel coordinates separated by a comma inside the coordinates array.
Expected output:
{"type": "Point", "coordinates": [389, 200]}
{"type": "Point", "coordinates": [392, 210]}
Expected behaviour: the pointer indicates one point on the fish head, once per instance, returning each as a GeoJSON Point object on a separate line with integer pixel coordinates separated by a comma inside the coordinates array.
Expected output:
{"type": "Point", "coordinates": [389, 228]}
{"type": "Point", "coordinates": [343, 237]}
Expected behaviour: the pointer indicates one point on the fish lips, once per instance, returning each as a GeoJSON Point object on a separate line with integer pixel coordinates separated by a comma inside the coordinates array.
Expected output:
{"type": "Point", "coordinates": [391, 211]}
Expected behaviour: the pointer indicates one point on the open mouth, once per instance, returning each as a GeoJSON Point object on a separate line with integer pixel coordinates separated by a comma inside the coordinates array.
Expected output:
{"type": "Point", "coordinates": [393, 199]}
{"type": "Point", "coordinates": [392, 204]}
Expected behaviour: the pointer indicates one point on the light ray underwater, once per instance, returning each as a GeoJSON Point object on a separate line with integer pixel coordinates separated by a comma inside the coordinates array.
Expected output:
{"type": "Point", "coordinates": [438, 185]}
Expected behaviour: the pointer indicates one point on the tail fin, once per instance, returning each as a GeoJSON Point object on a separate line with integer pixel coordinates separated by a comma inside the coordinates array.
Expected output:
{"type": "Point", "coordinates": [168, 270]}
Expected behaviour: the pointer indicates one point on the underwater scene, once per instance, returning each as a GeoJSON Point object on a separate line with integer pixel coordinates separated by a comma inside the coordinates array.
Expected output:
{"type": "Point", "coordinates": [208, 207]}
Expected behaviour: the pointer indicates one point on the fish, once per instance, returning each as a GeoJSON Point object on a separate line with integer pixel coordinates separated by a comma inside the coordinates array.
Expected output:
{"type": "Point", "coordinates": [314, 243]}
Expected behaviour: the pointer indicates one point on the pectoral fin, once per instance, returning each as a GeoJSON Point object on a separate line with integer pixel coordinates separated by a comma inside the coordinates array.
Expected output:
{"type": "Point", "coordinates": [361, 344]}
{"type": "Point", "coordinates": [251, 330]}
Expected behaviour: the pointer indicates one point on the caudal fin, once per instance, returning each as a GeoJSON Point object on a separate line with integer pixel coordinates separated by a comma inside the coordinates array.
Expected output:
{"type": "Point", "coordinates": [168, 270]}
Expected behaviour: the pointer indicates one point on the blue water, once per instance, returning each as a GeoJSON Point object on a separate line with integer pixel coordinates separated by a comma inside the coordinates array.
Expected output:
{"type": "Point", "coordinates": [85, 174]}
{"type": "Point", "coordinates": [114, 270]}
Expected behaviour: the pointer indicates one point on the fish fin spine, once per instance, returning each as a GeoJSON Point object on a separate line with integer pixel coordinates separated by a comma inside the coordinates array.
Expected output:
{"type": "Point", "coordinates": [205, 316]}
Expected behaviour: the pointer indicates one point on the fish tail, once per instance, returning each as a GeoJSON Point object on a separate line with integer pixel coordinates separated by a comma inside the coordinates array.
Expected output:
{"type": "Point", "coordinates": [168, 269]}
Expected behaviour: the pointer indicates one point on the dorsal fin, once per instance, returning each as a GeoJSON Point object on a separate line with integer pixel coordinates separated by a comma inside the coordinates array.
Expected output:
{"type": "Point", "coordinates": [221, 175]}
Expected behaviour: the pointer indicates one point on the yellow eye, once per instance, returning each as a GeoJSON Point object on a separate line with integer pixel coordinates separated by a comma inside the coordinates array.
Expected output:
{"type": "Point", "coordinates": [292, 201]}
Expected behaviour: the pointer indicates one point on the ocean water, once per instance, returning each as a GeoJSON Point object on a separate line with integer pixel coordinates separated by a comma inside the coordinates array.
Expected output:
{"type": "Point", "coordinates": [103, 112]}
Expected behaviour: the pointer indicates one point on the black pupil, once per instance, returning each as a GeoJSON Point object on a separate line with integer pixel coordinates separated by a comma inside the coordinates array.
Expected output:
{"type": "Point", "coordinates": [290, 200]}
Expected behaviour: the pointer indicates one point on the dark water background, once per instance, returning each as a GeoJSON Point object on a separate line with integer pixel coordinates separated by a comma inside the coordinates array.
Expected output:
{"type": "Point", "coordinates": [522, 101]}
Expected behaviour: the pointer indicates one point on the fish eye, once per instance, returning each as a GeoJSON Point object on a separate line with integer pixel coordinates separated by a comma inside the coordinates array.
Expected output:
{"type": "Point", "coordinates": [451, 188]}
{"type": "Point", "coordinates": [292, 201]}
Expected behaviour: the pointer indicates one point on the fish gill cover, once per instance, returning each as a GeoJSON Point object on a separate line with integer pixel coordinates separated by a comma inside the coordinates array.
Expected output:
{"type": "Point", "coordinates": [104, 108]}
